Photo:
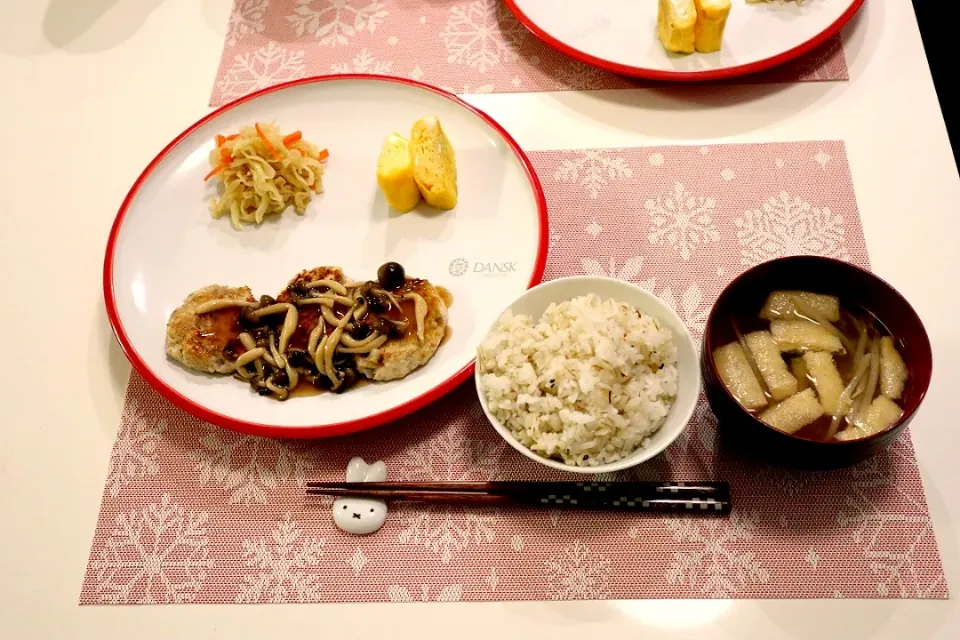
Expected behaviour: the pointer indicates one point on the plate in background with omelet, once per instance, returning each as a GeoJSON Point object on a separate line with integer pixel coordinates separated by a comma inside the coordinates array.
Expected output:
{"type": "Point", "coordinates": [485, 250]}
{"type": "Point", "coordinates": [624, 37]}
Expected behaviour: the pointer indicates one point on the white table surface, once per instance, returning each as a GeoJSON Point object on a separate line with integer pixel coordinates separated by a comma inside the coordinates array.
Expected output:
{"type": "Point", "coordinates": [94, 88]}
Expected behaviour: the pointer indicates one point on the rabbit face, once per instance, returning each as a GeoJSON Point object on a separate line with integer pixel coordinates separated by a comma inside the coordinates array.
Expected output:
{"type": "Point", "coordinates": [357, 515]}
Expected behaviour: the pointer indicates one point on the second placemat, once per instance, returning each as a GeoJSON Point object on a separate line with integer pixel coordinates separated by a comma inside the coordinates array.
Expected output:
{"type": "Point", "coordinates": [463, 46]}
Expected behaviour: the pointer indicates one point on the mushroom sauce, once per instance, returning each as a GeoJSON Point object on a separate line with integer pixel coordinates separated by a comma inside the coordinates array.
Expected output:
{"type": "Point", "coordinates": [308, 339]}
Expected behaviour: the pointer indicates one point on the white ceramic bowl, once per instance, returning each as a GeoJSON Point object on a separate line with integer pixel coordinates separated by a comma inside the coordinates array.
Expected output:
{"type": "Point", "coordinates": [536, 300]}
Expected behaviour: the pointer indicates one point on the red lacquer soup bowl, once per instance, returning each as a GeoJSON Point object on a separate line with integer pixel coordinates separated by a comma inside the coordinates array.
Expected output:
{"type": "Point", "coordinates": [857, 289]}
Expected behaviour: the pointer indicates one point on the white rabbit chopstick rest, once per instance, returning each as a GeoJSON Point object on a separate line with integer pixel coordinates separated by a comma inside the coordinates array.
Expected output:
{"type": "Point", "coordinates": [361, 516]}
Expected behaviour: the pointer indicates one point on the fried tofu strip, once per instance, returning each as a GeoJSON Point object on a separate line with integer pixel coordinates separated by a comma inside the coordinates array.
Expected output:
{"type": "Point", "coordinates": [782, 305]}
{"type": "Point", "coordinates": [801, 335]}
{"type": "Point", "coordinates": [882, 414]}
{"type": "Point", "coordinates": [738, 376]}
{"type": "Point", "coordinates": [794, 413]}
{"type": "Point", "coordinates": [826, 379]}
{"type": "Point", "coordinates": [893, 371]}
{"type": "Point", "coordinates": [766, 354]}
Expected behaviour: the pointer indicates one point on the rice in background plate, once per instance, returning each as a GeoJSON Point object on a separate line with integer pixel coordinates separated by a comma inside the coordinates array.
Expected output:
{"type": "Point", "coordinates": [587, 383]}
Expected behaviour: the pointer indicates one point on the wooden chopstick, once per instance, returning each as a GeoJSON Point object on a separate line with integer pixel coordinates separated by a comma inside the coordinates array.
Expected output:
{"type": "Point", "coordinates": [712, 497]}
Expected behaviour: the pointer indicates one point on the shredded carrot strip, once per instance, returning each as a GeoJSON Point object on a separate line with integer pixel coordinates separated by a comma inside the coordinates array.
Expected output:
{"type": "Point", "coordinates": [233, 137]}
{"type": "Point", "coordinates": [323, 155]}
{"type": "Point", "coordinates": [292, 138]}
{"type": "Point", "coordinates": [270, 147]}
{"type": "Point", "coordinates": [220, 167]}
{"type": "Point", "coordinates": [220, 140]}
{"type": "Point", "coordinates": [225, 156]}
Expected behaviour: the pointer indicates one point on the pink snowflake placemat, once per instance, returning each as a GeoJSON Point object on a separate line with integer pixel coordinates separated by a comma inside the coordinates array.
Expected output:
{"type": "Point", "coordinates": [463, 46]}
{"type": "Point", "coordinates": [193, 513]}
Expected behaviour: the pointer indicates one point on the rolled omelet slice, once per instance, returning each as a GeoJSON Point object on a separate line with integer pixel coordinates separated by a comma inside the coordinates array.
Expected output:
{"type": "Point", "coordinates": [434, 163]}
{"type": "Point", "coordinates": [395, 174]}
{"type": "Point", "coordinates": [711, 20]}
{"type": "Point", "coordinates": [676, 25]}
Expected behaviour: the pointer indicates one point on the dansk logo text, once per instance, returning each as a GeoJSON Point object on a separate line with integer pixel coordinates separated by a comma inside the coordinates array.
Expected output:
{"type": "Point", "coordinates": [494, 267]}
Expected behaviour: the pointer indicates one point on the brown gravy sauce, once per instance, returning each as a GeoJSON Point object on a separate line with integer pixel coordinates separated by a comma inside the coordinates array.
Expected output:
{"type": "Point", "coordinates": [219, 330]}
{"type": "Point", "coordinates": [304, 389]}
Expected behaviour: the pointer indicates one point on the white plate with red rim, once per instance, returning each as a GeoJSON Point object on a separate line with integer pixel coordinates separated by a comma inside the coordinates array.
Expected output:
{"type": "Point", "coordinates": [164, 244]}
{"type": "Point", "coordinates": [621, 35]}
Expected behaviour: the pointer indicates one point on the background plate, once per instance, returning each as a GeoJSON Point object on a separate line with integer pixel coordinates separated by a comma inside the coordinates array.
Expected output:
{"type": "Point", "coordinates": [487, 251]}
{"type": "Point", "coordinates": [621, 35]}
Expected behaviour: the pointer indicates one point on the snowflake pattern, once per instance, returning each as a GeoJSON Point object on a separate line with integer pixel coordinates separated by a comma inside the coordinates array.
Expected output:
{"type": "Point", "coordinates": [691, 307]}
{"type": "Point", "coordinates": [447, 530]}
{"type": "Point", "coordinates": [695, 447]}
{"type": "Point", "coordinates": [713, 565]}
{"type": "Point", "coordinates": [157, 554]}
{"type": "Point", "coordinates": [265, 67]}
{"type": "Point", "coordinates": [630, 270]}
{"type": "Point", "coordinates": [900, 574]}
{"type": "Point", "coordinates": [248, 466]}
{"type": "Point", "coordinates": [467, 89]}
{"type": "Point", "coordinates": [553, 240]}
{"type": "Point", "coordinates": [787, 225]}
{"type": "Point", "coordinates": [593, 169]}
{"type": "Point", "coordinates": [449, 593]}
{"type": "Point", "coordinates": [135, 454]}
{"type": "Point", "coordinates": [682, 220]}
{"type": "Point", "coordinates": [358, 561]}
{"type": "Point", "coordinates": [581, 77]}
{"type": "Point", "coordinates": [449, 456]}
{"type": "Point", "coordinates": [482, 34]}
{"type": "Point", "coordinates": [334, 22]}
{"type": "Point", "coordinates": [788, 483]}
{"type": "Point", "coordinates": [578, 574]}
{"type": "Point", "coordinates": [493, 579]}
{"type": "Point", "coordinates": [247, 18]}
{"type": "Point", "coordinates": [363, 62]}
{"type": "Point", "coordinates": [285, 565]}
{"type": "Point", "coordinates": [826, 62]}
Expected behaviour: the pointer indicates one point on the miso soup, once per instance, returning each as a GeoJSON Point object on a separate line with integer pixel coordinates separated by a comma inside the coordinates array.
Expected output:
{"type": "Point", "coordinates": [815, 367]}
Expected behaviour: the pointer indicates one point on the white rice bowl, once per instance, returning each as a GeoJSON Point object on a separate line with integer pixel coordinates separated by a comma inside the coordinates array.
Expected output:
{"type": "Point", "coordinates": [587, 383]}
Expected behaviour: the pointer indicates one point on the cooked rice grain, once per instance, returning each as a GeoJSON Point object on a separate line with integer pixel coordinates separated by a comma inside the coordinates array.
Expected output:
{"type": "Point", "coordinates": [588, 383]}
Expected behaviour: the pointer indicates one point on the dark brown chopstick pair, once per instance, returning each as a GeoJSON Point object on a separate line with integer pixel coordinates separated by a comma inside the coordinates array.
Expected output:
{"type": "Point", "coordinates": [696, 497]}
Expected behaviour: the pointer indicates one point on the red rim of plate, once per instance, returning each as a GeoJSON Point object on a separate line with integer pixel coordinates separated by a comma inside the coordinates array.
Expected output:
{"type": "Point", "coordinates": [319, 431]}
{"type": "Point", "coordinates": [687, 76]}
